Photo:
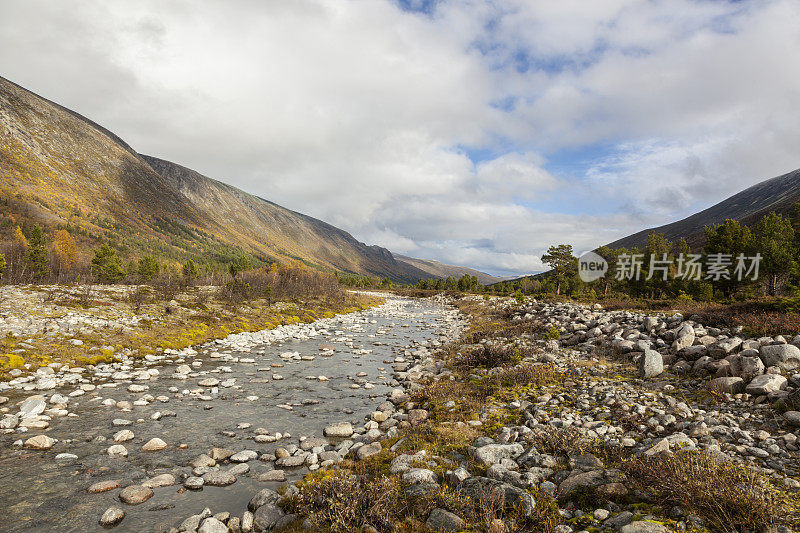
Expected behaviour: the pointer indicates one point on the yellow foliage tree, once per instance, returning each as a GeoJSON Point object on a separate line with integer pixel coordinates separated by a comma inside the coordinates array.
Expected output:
{"type": "Point", "coordinates": [64, 250]}
{"type": "Point", "coordinates": [19, 248]}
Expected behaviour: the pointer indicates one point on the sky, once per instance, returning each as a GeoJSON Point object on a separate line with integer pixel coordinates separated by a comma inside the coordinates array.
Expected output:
{"type": "Point", "coordinates": [472, 132]}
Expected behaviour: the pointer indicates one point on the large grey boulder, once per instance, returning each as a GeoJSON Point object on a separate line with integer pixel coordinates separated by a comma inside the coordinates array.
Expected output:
{"type": "Point", "coordinates": [785, 356]}
{"type": "Point", "coordinates": [765, 384]}
{"type": "Point", "coordinates": [731, 385]}
{"type": "Point", "coordinates": [494, 453]}
{"type": "Point", "coordinates": [267, 517]}
{"type": "Point", "coordinates": [651, 364]}
{"type": "Point", "coordinates": [746, 368]}
{"type": "Point", "coordinates": [684, 337]}
{"type": "Point", "coordinates": [443, 520]}
{"type": "Point", "coordinates": [724, 347]}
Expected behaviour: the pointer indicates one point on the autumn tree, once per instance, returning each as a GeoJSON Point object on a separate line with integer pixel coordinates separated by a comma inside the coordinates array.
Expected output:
{"type": "Point", "coordinates": [36, 259]}
{"type": "Point", "coordinates": [65, 252]}
{"type": "Point", "coordinates": [2, 265]}
{"type": "Point", "coordinates": [19, 249]}
{"type": "Point", "coordinates": [561, 261]}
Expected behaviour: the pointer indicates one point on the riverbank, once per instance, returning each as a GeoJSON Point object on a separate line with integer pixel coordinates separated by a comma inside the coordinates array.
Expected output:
{"type": "Point", "coordinates": [79, 325]}
{"type": "Point", "coordinates": [160, 438]}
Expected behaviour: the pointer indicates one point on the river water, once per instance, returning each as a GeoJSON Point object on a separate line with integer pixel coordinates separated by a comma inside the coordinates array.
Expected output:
{"type": "Point", "coordinates": [38, 493]}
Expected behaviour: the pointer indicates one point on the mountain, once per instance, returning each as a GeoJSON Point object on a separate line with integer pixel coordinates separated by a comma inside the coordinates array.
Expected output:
{"type": "Point", "coordinates": [440, 270]}
{"type": "Point", "coordinates": [60, 169]}
{"type": "Point", "coordinates": [778, 194]}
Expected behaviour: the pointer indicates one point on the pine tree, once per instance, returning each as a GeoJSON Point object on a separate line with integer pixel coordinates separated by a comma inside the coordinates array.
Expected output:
{"type": "Point", "coordinates": [147, 269]}
{"type": "Point", "coordinates": [106, 265]}
{"type": "Point", "coordinates": [729, 238]}
{"type": "Point", "coordinates": [190, 272]}
{"type": "Point", "coordinates": [773, 238]}
{"type": "Point", "coordinates": [36, 258]}
{"type": "Point", "coordinates": [561, 260]}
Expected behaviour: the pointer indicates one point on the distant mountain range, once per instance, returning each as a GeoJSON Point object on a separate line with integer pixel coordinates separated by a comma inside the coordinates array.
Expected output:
{"type": "Point", "coordinates": [778, 194]}
{"type": "Point", "coordinates": [60, 169]}
{"type": "Point", "coordinates": [440, 270]}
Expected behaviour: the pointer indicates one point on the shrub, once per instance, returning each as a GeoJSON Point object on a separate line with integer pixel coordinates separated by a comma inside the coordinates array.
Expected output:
{"type": "Point", "coordinates": [729, 497]}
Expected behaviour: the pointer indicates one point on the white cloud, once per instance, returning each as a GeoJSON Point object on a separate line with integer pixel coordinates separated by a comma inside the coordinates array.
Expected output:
{"type": "Point", "coordinates": [365, 115]}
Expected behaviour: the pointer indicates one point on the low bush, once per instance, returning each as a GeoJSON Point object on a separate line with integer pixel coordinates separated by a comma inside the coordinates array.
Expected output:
{"type": "Point", "coordinates": [729, 497]}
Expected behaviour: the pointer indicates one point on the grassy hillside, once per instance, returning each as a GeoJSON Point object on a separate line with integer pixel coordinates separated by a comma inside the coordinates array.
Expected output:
{"type": "Point", "coordinates": [61, 170]}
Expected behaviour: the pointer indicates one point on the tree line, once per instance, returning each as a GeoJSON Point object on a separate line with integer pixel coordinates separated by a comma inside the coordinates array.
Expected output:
{"type": "Point", "coordinates": [727, 263]}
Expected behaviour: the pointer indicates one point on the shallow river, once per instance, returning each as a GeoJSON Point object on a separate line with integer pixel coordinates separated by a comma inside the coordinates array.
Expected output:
{"type": "Point", "coordinates": [37, 493]}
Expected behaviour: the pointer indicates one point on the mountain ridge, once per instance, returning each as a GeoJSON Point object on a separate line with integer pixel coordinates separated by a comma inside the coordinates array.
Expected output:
{"type": "Point", "coordinates": [778, 194]}
{"type": "Point", "coordinates": [61, 169]}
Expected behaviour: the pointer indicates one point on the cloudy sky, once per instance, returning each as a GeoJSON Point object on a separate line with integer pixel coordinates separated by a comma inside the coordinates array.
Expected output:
{"type": "Point", "coordinates": [472, 132]}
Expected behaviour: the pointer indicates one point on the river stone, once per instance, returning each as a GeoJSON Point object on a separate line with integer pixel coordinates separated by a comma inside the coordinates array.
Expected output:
{"type": "Point", "coordinates": [746, 367]}
{"type": "Point", "coordinates": [340, 429]}
{"type": "Point", "coordinates": [651, 364]}
{"type": "Point", "coordinates": [219, 478]}
{"type": "Point", "coordinates": [494, 453]}
{"type": "Point", "coordinates": [785, 356]}
{"type": "Point", "coordinates": [792, 417]}
{"type": "Point", "coordinates": [161, 480]}
{"type": "Point", "coordinates": [135, 494]}
{"type": "Point", "coordinates": [291, 461]}
{"type": "Point", "coordinates": [103, 486]}
{"type": "Point", "coordinates": [220, 454]}
{"type": "Point", "coordinates": [267, 517]}
{"type": "Point", "coordinates": [443, 520]}
{"type": "Point", "coordinates": [273, 475]}
{"type": "Point", "coordinates": [123, 435]}
{"type": "Point", "coordinates": [766, 383]}
{"type": "Point", "coordinates": [313, 442]}
{"type": "Point", "coordinates": [153, 445]}
{"type": "Point", "coordinates": [417, 416]}
{"type": "Point", "coordinates": [9, 422]}
{"type": "Point", "coordinates": [39, 442]}
{"type": "Point", "coordinates": [684, 337]}
{"type": "Point", "coordinates": [212, 525]}
{"type": "Point", "coordinates": [193, 483]}
{"type": "Point", "coordinates": [33, 406]}
{"type": "Point", "coordinates": [368, 450]}
{"type": "Point", "coordinates": [263, 497]}
{"type": "Point", "coordinates": [117, 450]}
{"type": "Point", "coordinates": [243, 456]}
{"type": "Point", "coordinates": [208, 382]}
{"type": "Point", "coordinates": [112, 517]}
{"type": "Point", "coordinates": [731, 385]}
{"type": "Point", "coordinates": [642, 526]}
{"type": "Point", "coordinates": [419, 475]}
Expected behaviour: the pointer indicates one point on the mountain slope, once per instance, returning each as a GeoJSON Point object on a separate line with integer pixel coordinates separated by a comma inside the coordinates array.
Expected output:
{"type": "Point", "coordinates": [778, 194]}
{"type": "Point", "coordinates": [440, 270]}
{"type": "Point", "coordinates": [60, 169]}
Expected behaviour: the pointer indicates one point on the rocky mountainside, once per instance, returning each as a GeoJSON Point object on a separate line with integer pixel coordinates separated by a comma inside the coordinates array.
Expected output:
{"type": "Point", "coordinates": [778, 194]}
{"type": "Point", "coordinates": [440, 270]}
{"type": "Point", "coordinates": [58, 168]}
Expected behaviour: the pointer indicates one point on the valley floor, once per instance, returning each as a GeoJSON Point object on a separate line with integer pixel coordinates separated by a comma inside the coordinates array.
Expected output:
{"type": "Point", "coordinates": [477, 414]}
